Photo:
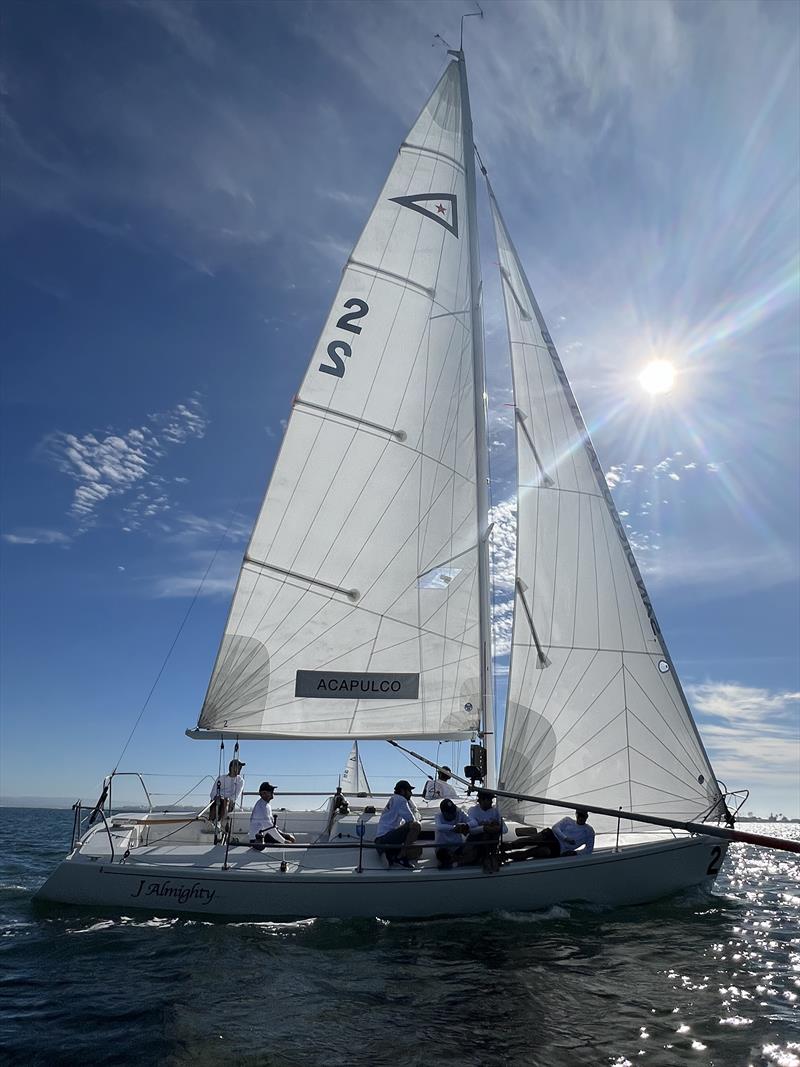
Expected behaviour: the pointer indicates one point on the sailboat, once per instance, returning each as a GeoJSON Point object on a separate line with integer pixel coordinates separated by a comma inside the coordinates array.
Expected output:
{"type": "Point", "coordinates": [362, 608]}
{"type": "Point", "coordinates": [354, 778]}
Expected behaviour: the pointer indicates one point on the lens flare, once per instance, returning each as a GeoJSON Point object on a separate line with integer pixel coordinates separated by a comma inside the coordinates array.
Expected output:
{"type": "Point", "coordinates": [657, 377]}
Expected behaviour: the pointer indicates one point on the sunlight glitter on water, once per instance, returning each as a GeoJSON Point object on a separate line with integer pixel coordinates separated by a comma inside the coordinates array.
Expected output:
{"type": "Point", "coordinates": [715, 977]}
{"type": "Point", "coordinates": [783, 1057]}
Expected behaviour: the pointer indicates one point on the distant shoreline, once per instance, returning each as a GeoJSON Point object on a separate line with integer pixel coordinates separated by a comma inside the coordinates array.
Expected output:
{"type": "Point", "coordinates": [62, 803]}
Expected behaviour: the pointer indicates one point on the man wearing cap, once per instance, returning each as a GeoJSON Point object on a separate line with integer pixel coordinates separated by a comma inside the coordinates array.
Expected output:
{"type": "Point", "coordinates": [398, 827]}
{"type": "Point", "coordinates": [441, 787]}
{"type": "Point", "coordinates": [226, 792]}
{"type": "Point", "coordinates": [451, 827]}
{"type": "Point", "coordinates": [263, 828]}
{"type": "Point", "coordinates": [564, 838]}
{"type": "Point", "coordinates": [485, 827]}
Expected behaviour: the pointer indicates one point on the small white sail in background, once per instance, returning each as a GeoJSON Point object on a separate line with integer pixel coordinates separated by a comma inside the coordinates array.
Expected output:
{"type": "Point", "coordinates": [356, 613]}
{"type": "Point", "coordinates": [353, 779]}
{"type": "Point", "coordinates": [595, 710]}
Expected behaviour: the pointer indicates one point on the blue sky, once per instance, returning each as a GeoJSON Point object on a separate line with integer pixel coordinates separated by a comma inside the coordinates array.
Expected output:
{"type": "Point", "coordinates": [182, 185]}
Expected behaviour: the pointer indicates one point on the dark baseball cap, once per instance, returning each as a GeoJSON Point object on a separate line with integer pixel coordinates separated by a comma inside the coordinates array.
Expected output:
{"type": "Point", "coordinates": [402, 785]}
{"type": "Point", "coordinates": [266, 786]}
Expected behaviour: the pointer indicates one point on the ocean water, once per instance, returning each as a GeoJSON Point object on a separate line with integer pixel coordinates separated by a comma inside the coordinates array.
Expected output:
{"type": "Point", "coordinates": [702, 979]}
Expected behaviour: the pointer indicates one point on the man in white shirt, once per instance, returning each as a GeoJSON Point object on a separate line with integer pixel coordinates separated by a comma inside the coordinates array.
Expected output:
{"type": "Point", "coordinates": [441, 787]}
{"type": "Point", "coordinates": [485, 828]}
{"type": "Point", "coordinates": [226, 792]}
{"type": "Point", "coordinates": [564, 838]}
{"type": "Point", "coordinates": [398, 826]}
{"type": "Point", "coordinates": [263, 828]}
{"type": "Point", "coordinates": [451, 827]}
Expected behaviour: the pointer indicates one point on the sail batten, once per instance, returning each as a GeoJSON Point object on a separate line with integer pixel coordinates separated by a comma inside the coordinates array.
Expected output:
{"type": "Point", "coordinates": [608, 713]}
{"type": "Point", "coordinates": [374, 485]}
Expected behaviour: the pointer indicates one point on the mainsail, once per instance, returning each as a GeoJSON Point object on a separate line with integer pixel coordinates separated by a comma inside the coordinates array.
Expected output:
{"type": "Point", "coordinates": [356, 612]}
{"type": "Point", "coordinates": [595, 709]}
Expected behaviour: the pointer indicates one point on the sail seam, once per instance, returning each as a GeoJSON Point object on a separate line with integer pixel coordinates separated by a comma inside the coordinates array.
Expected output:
{"type": "Point", "coordinates": [552, 723]}
{"type": "Point", "coordinates": [699, 791]}
{"type": "Point", "coordinates": [666, 793]}
{"type": "Point", "coordinates": [589, 767]}
{"type": "Point", "coordinates": [575, 722]}
{"type": "Point", "coordinates": [390, 276]}
{"type": "Point", "coordinates": [406, 146]}
{"type": "Point", "coordinates": [697, 769]}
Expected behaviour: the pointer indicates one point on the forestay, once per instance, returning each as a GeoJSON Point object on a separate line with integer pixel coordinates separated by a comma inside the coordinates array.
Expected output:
{"type": "Point", "coordinates": [356, 609]}
{"type": "Point", "coordinates": [595, 710]}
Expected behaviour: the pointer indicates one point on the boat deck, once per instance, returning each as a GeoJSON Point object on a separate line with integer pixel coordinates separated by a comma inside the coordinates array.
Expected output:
{"type": "Point", "coordinates": [175, 840]}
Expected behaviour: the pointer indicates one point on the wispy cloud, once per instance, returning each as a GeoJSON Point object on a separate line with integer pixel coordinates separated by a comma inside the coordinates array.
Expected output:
{"type": "Point", "coordinates": [117, 463]}
{"type": "Point", "coordinates": [209, 557]}
{"type": "Point", "coordinates": [35, 536]}
{"type": "Point", "coordinates": [753, 734]}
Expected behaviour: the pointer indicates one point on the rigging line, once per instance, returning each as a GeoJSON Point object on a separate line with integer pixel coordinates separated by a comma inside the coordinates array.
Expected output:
{"type": "Point", "coordinates": [413, 758]}
{"type": "Point", "coordinates": [177, 636]}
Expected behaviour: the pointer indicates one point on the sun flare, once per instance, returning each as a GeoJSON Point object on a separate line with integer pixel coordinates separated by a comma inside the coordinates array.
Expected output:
{"type": "Point", "coordinates": [657, 377]}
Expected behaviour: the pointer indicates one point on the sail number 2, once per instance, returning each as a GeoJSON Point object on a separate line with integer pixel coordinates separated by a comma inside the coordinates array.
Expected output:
{"type": "Point", "coordinates": [338, 350]}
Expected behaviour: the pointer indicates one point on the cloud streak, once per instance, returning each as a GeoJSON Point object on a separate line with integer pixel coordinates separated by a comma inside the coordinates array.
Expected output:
{"type": "Point", "coordinates": [36, 536]}
{"type": "Point", "coordinates": [115, 464]}
{"type": "Point", "coordinates": [752, 733]}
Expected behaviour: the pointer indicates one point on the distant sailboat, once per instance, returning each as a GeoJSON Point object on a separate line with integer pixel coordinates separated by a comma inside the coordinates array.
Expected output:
{"type": "Point", "coordinates": [362, 607]}
{"type": "Point", "coordinates": [354, 777]}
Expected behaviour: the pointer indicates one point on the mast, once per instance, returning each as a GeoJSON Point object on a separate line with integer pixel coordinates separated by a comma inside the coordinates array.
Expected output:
{"type": "Point", "coordinates": [481, 447]}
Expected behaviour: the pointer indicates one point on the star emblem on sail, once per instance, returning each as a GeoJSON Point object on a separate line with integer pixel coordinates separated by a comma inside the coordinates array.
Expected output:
{"type": "Point", "coordinates": [440, 207]}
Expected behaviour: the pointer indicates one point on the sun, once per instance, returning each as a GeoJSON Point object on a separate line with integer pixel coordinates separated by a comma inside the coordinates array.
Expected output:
{"type": "Point", "coordinates": [657, 377]}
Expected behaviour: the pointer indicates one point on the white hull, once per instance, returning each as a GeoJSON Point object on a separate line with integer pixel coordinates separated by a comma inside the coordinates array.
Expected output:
{"type": "Point", "coordinates": [191, 880]}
